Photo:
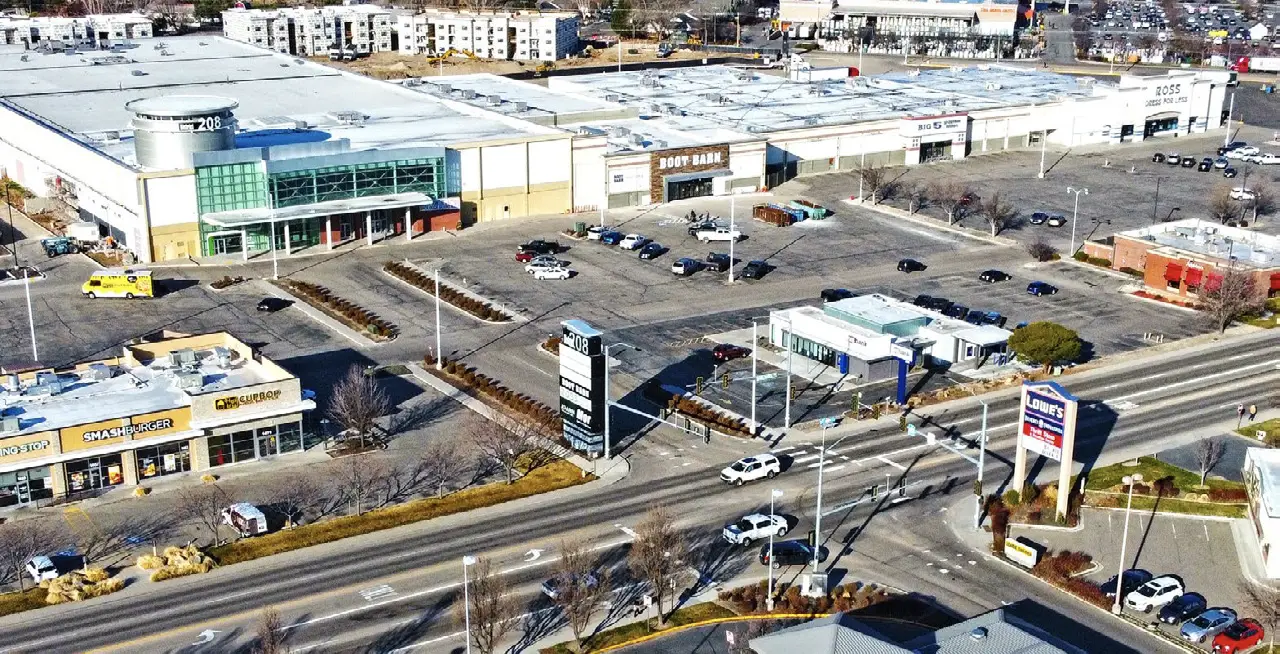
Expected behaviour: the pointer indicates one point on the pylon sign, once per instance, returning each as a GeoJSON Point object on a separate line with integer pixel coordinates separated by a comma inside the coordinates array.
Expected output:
{"type": "Point", "coordinates": [582, 400]}
{"type": "Point", "coordinates": [1047, 426]}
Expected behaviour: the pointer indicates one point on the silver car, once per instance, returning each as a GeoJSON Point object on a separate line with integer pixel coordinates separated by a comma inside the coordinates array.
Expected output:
{"type": "Point", "coordinates": [1207, 625]}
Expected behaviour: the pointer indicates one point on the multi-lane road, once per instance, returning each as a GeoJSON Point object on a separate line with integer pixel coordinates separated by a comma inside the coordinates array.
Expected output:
{"type": "Point", "coordinates": [395, 589]}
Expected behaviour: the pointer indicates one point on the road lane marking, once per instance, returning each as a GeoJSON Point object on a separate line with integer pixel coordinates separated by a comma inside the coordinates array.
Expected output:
{"type": "Point", "coordinates": [783, 449]}
{"type": "Point", "coordinates": [1195, 380]}
{"type": "Point", "coordinates": [812, 457]}
{"type": "Point", "coordinates": [377, 592]}
{"type": "Point", "coordinates": [839, 467]}
{"type": "Point", "coordinates": [893, 463]}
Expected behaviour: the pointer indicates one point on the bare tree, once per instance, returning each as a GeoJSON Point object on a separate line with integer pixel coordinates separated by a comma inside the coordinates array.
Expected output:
{"type": "Point", "coordinates": [1264, 602]}
{"type": "Point", "coordinates": [1208, 453]}
{"type": "Point", "coordinates": [873, 177]}
{"type": "Point", "coordinates": [579, 587]}
{"type": "Point", "coordinates": [1041, 250]}
{"type": "Point", "coordinates": [357, 403]}
{"type": "Point", "coordinates": [1221, 207]}
{"type": "Point", "coordinates": [270, 638]}
{"type": "Point", "coordinates": [493, 611]}
{"type": "Point", "coordinates": [21, 540]}
{"type": "Point", "coordinates": [297, 494]}
{"type": "Point", "coordinates": [202, 505]}
{"type": "Point", "coordinates": [1263, 202]}
{"type": "Point", "coordinates": [361, 476]}
{"type": "Point", "coordinates": [655, 554]}
{"type": "Point", "coordinates": [951, 196]}
{"type": "Point", "coordinates": [917, 195]}
{"type": "Point", "coordinates": [439, 464]}
{"type": "Point", "coordinates": [499, 444]}
{"type": "Point", "coordinates": [999, 214]}
{"type": "Point", "coordinates": [1236, 295]}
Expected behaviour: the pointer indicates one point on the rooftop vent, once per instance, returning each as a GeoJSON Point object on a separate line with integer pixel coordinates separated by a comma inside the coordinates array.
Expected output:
{"type": "Point", "coordinates": [714, 97]}
{"type": "Point", "coordinates": [611, 97]}
{"type": "Point", "coordinates": [413, 81]}
{"type": "Point", "coordinates": [137, 73]}
{"type": "Point", "coordinates": [445, 88]}
{"type": "Point", "coordinates": [222, 356]}
{"type": "Point", "coordinates": [189, 380]}
{"type": "Point", "coordinates": [10, 425]}
{"type": "Point", "coordinates": [812, 120]}
{"type": "Point", "coordinates": [348, 117]}
{"type": "Point", "coordinates": [96, 372]}
{"type": "Point", "coordinates": [637, 139]}
{"type": "Point", "coordinates": [522, 106]}
{"type": "Point", "coordinates": [182, 357]}
{"type": "Point", "coordinates": [672, 110]}
{"type": "Point", "coordinates": [978, 633]}
{"type": "Point", "coordinates": [25, 58]}
{"type": "Point", "coordinates": [992, 86]}
{"type": "Point", "coordinates": [745, 76]}
{"type": "Point", "coordinates": [618, 132]}
{"type": "Point", "coordinates": [468, 94]}
{"type": "Point", "coordinates": [110, 137]}
{"type": "Point", "coordinates": [299, 61]}
{"type": "Point", "coordinates": [493, 100]}
{"type": "Point", "coordinates": [10, 383]}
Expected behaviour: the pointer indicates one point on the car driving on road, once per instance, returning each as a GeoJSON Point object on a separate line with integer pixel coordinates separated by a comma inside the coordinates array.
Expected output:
{"type": "Point", "coordinates": [790, 552]}
{"type": "Point", "coordinates": [754, 527]}
{"type": "Point", "coordinates": [751, 468]}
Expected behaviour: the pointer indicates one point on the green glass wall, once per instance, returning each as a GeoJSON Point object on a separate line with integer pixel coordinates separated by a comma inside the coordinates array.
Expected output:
{"type": "Point", "coordinates": [357, 181]}
{"type": "Point", "coordinates": [230, 187]}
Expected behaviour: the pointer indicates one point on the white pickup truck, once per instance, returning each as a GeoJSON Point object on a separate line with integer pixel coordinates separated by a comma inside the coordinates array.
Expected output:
{"type": "Point", "coordinates": [719, 234]}
{"type": "Point", "coordinates": [754, 527]}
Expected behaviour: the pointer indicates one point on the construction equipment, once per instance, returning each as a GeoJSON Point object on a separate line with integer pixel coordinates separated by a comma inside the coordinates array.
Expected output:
{"type": "Point", "coordinates": [450, 53]}
{"type": "Point", "coordinates": [59, 245]}
{"type": "Point", "coordinates": [664, 50]}
{"type": "Point", "coordinates": [543, 68]}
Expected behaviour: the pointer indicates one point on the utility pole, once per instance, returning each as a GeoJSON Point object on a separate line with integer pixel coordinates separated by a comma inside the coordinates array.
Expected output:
{"type": "Point", "coordinates": [982, 461]}
{"type": "Point", "coordinates": [31, 319]}
{"type": "Point", "coordinates": [1044, 141]}
{"type": "Point", "coordinates": [1155, 205]}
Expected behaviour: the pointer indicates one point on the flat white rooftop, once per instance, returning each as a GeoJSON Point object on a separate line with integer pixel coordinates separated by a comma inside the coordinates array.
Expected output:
{"type": "Point", "coordinates": [1209, 239]}
{"type": "Point", "coordinates": [755, 103]}
{"type": "Point", "coordinates": [274, 91]}
{"type": "Point", "coordinates": [512, 97]}
{"type": "Point", "coordinates": [131, 391]}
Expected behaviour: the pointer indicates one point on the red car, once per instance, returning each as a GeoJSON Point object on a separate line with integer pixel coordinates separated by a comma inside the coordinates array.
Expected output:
{"type": "Point", "coordinates": [728, 352]}
{"type": "Point", "coordinates": [1240, 636]}
{"type": "Point", "coordinates": [525, 256]}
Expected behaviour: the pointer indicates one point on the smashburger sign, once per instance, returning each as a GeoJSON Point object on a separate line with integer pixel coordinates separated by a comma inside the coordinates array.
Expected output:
{"type": "Point", "coordinates": [127, 430]}
{"type": "Point", "coordinates": [236, 401]}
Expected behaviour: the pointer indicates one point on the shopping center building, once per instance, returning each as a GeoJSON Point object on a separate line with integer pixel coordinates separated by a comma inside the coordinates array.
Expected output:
{"type": "Point", "coordinates": [178, 405]}
{"type": "Point", "coordinates": [202, 146]}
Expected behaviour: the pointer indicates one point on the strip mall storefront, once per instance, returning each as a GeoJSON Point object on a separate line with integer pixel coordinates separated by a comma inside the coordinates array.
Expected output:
{"type": "Point", "coordinates": [218, 429]}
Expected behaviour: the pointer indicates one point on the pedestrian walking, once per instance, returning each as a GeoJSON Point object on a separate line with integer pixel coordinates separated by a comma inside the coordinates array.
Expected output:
{"type": "Point", "coordinates": [1239, 414]}
{"type": "Point", "coordinates": [1253, 412]}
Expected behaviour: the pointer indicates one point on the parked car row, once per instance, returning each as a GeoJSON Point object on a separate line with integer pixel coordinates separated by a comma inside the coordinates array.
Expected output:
{"type": "Point", "coordinates": [539, 257]}
{"type": "Point", "coordinates": [1219, 626]}
{"type": "Point", "coordinates": [1053, 220]}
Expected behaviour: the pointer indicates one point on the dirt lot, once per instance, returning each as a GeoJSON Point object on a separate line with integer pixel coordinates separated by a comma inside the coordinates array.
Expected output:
{"type": "Point", "coordinates": [391, 65]}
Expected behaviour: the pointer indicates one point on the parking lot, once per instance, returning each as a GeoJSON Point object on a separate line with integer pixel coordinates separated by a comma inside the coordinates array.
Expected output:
{"type": "Point", "coordinates": [1192, 32]}
{"type": "Point", "coordinates": [1201, 553]}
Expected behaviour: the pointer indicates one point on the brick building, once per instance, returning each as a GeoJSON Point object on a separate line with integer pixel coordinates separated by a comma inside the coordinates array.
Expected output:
{"type": "Point", "coordinates": [1185, 258]}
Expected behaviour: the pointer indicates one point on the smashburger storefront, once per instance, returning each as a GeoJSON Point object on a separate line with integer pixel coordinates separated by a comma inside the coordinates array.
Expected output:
{"type": "Point", "coordinates": [216, 429]}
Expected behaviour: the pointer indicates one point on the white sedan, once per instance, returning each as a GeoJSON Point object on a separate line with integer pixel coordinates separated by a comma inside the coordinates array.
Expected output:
{"type": "Point", "coordinates": [543, 262]}
{"type": "Point", "coordinates": [1247, 151]}
{"type": "Point", "coordinates": [754, 527]}
{"type": "Point", "coordinates": [1242, 193]}
{"type": "Point", "coordinates": [1269, 159]}
{"type": "Point", "coordinates": [552, 273]}
{"type": "Point", "coordinates": [632, 242]}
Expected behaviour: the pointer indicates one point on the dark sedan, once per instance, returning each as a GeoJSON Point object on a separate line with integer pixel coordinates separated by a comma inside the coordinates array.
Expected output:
{"type": "Point", "coordinates": [273, 304]}
{"type": "Point", "coordinates": [790, 552]}
{"type": "Point", "coordinates": [1183, 608]}
{"type": "Point", "coordinates": [910, 266]}
{"type": "Point", "coordinates": [652, 251]}
{"type": "Point", "coordinates": [836, 294]}
{"type": "Point", "coordinates": [1042, 288]}
{"type": "Point", "coordinates": [993, 276]}
{"type": "Point", "coordinates": [1133, 578]}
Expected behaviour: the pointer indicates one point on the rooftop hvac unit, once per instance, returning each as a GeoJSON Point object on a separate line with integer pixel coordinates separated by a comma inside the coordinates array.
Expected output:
{"type": "Point", "coordinates": [745, 77]}
{"type": "Point", "coordinates": [655, 108]}
{"type": "Point", "coordinates": [52, 388]}
{"type": "Point", "coordinates": [468, 94]}
{"type": "Point", "coordinates": [618, 132]}
{"type": "Point", "coordinates": [182, 357]}
{"type": "Point", "coordinates": [10, 383]}
{"type": "Point", "coordinates": [96, 372]}
{"type": "Point", "coordinates": [46, 377]}
{"type": "Point", "coordinates": [660, 144]}
{"type": "Point", "coordinates": [222, 357]}
{"type": "Point", "coordinates": [992, 86]}
{"type": "Point", "coordinates": [413, 81]}
{"type": "Point", "coordinates": [637, 139]}
{"type": "Point", "coordinates": [445, 88]}
{"type": "Point", "coordinates": [522, 106]}
{"type": "Point", "coordinates": [348, 117]}
{"type": "Point", "coordinates": [493, 100]}
{"type": "Point", "coordinates": [611, 97]}
{"type": "Point", "coordinates": [10, 425]}
{"type": "Point", "coordinates": [714, 97]}
{"type": "Point", "coordinates": [812, 120]}
{"type": "Point", "coordinates": [188, 380]}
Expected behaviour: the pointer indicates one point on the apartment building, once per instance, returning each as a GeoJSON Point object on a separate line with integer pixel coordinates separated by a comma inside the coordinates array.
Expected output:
{"type": "Point", "coordinates": [95, 29]}
{"type": "Point", "coordinates": [356, 29]}
{"type": "Point", "coordinates": [523, 36]}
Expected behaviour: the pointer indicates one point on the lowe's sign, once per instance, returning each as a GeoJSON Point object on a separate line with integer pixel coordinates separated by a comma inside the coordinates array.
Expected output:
{"type": "Point", "coordinates": [1048, 419]}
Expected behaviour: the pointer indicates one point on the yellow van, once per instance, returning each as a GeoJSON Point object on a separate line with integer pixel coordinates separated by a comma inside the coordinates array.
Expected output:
{"type": "Point", "coordinates": [118, 283]}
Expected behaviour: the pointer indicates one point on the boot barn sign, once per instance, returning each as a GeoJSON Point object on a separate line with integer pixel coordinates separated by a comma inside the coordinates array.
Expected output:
{"type": "Point", "coordinates": [678, 164]}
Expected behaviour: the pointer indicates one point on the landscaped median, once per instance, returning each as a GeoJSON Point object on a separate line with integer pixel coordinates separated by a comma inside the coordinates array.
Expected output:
{"type": "Point", "coordinates": [476, 308]}
{"type": "Point", "coordinates": [341, 309]}
{"type": "Point", "coordinates": [554, 476]}
{"type": "Point", "coordinates": [1270, 430]}
{"type": "Point", "coordinates": [1165, 488]}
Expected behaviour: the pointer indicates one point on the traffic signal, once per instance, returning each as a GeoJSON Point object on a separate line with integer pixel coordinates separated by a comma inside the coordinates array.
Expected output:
{"type": "Point", "coordinates": [697, 386]}
{"type": "Point", "coordinates": [813, 538]}
{"type": "Point", "coordinates": [724, 381]}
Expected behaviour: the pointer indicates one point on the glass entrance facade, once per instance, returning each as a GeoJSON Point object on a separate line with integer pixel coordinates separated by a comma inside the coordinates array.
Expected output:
{"type": "Point", "coordinates": [251, 444]}
{"type": "Point", "coordinates": [167, 459]}
{"type": "Point", "coordinates": [25, 486]}
{"type": "Point", "coordinates": [94, 473]}
{"type": "Point", "coordinates": [692, 188]}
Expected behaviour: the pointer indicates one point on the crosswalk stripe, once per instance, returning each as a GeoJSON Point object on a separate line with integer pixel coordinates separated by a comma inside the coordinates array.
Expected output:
{"type": "Point", "coordinates": [892, 463]}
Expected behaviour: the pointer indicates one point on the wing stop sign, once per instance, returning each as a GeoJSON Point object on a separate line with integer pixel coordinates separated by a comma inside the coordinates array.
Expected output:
{"type": "Point", "coordinates": [1047, 426]}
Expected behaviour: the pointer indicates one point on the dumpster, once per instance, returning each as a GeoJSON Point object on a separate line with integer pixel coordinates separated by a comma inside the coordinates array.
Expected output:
{"type": "Point", "coordinates": [580, 228]}
{"type": "Point", "coordinates": [772, 214]}
{"type": "Point", "coordinates": [810, 210]}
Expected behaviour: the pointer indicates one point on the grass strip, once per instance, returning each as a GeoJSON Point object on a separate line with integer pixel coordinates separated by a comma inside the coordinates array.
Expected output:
{"type": "Point", "coordinates": [32, 598]}
{"type": "Point", "coordinates": [1152, 469]}
{"type": "Point", "coordinates": [554, 476]}
{"type": "Point", "coordinates": [629, 632]}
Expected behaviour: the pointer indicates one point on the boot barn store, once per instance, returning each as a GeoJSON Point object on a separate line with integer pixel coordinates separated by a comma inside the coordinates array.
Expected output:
{"type": "Point", "coordinates": [181, 405]}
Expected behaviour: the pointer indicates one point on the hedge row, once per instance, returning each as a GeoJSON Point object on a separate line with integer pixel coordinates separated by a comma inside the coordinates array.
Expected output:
{"type": "Point", "coordinates": [788, 598]}
{"type": "Point", "coordinates": [425, 283]}
{"type": "Point", "coordinates": [708, 416]}
{"type": "Point", "coordinates": [484, 385]}
{"type": "Point", "coordinates": [364, 320]}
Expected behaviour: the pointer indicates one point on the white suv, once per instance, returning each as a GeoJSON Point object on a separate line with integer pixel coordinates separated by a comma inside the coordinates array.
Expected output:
{"type": "Point", "coordinates": [754, 527]}
{"type": "Point", "coordinates": [760, 466]}
{"type": "Point", "coordinates": [1157, 592]}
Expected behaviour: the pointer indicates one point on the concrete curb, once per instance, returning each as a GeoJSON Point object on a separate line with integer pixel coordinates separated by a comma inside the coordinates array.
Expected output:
{"type": "Point", "coordinates": [1168, 514]}
{"type": "Point", "coordinates": [315, 314]}
{"type": "Point", "coordinates": [932, 224]}
{"type": "Point", "coordinates": [1088, 266]}
{"type": "Point", "coordinates": [1131, 289]}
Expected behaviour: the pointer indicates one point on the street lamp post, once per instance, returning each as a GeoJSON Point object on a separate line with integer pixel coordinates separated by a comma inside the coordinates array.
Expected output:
{"type": "Point", "coordinates": [982, 462]}
{"type": "Point", "coordinates": [755, 344]}
{"type": "Point", "coordinates": [1075, 213]}
{"type": "Point", "coordinates": [1155, 204]}
{"type": "Point", "coordinates": [786, 417]}
{"type": "Point", "coordinates": [732, 214]}
{"type": "Point", "coordinates": [1129, 481]}
{"type": "Point", "coordinates": [817, 518]}
{"type": "Point", "coordinates": [608, 401]}
{"type": "Point", "coordinates": [773, 495]}
{"type": "Point", "coordinates": [31, 320]}
{"type": "Point", "coordinates": [1044, 141]}
{"type": "Point", "coordinates": [439, 349]}
{"type": "Point", "coordinates": [1226, 138]}
{"type": "Point", "coordinates": [1170, 216]}
{"type": "Point", "coordinates": [466, 599]}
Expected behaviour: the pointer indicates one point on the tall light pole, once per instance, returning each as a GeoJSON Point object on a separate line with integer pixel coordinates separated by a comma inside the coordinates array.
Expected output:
{"type": "Point", "coordinates": [275, 263]}
{"type": "Point", "coordinates": [1231, 108]}
{"type": "Point", "coordinates": [31, 320]}
{"type": "Point", "coordinates": [1155, 204]}
{"type": "Point", "coordinates": [604, 192]}
{"type": "Point", "coordinates": [1075, 212]}
{"type": "Point", "coordinates": [1129, 481]}
{"type": "Point", "coordinates": [817, 518]}
{"type": "Point", "coordinates": [982, 463]}
{"type": "Point", "coordinates": [773, 495]}
{"type": "Point", "coordinates": [732, 238]}
{"type": "Point", "coordinates": [439, 349]}
{"type": "Point", "coordinates": [1044, 142]}
{"type": "Point", "coordinates": [608, 401]}
{"type": "Point", "coordinates": [786, 417]}
{"type": "Point", "coordinates": [755, 345]}
{"type": "Point", "coordinates": [466, 599]}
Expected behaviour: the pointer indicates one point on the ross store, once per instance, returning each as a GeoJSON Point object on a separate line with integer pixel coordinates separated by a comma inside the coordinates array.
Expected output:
{"type": "Point", "coordinates": [180, 405]}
